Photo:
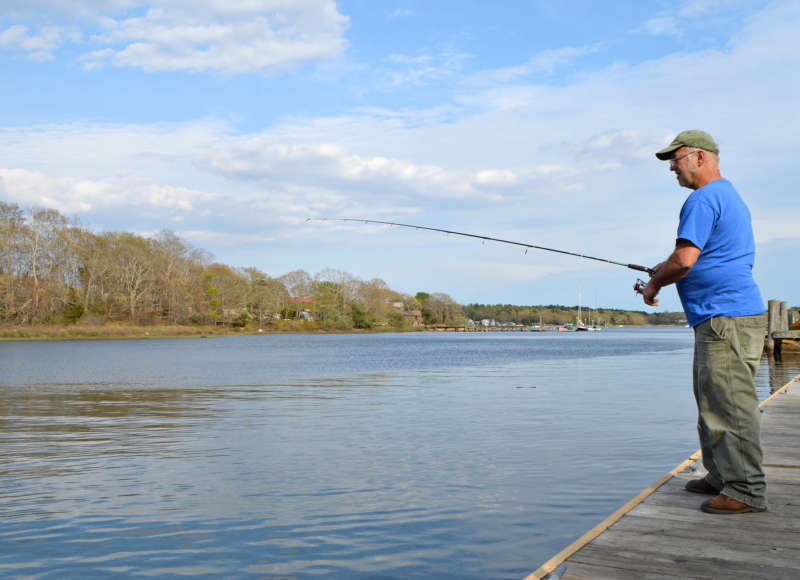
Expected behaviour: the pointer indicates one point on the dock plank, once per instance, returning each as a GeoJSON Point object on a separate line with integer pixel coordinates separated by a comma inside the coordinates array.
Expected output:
{"type": "Point", "coordinates": [668, 536]}
{"type": "Point", "coordinates": [605, 564]}
{"type": "Point", "coordinates": [580, 571]}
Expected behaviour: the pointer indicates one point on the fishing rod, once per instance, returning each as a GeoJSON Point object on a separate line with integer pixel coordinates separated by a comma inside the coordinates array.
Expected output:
{"type": "Point", "coordinates": [637, 287]}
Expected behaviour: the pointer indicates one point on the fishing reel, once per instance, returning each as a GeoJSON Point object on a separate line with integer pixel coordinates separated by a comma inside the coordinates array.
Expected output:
{"type": "Point", "coordinates": [638, 288]}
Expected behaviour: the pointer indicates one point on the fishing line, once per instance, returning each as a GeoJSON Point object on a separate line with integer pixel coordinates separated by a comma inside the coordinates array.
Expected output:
{"type": "Point", "coordinates": [637, 287]}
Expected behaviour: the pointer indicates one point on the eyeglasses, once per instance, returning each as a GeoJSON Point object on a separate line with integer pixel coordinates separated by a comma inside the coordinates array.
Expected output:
{"type": "Point", "coordinates": [674, 161]}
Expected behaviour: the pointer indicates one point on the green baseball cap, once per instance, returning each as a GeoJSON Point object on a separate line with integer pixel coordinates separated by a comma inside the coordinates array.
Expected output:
{"type": "Point", "coordinates": [690, 138]}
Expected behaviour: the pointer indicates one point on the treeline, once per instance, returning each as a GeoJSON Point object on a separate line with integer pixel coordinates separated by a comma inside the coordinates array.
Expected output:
{"type": "Point", "coordinates": [54, 271]}
{"type": "Point", "coordinates": [554, 314]}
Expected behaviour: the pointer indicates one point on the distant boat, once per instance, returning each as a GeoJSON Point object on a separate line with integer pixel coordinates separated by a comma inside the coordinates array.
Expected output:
{"type": "Point", "coordinates": [580, 325]}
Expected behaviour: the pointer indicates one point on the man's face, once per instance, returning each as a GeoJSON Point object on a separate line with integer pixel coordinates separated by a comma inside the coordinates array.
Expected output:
{"type": "Point", "coordinates": [684, 165]}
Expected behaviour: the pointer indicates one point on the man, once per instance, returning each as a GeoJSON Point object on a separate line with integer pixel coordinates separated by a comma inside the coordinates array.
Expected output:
{"type": "Point", "coordinates": [712, 268]}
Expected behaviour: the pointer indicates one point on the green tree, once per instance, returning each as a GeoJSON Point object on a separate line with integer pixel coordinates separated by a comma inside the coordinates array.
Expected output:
{"type": "Point", "coordinates": [267, 296]}
{"type": "Point", "coordinates": [234, 290]}
{"type": "Point", "coordinates": [328, 302]}
{"type": "Point", "coordinates": [361, 318]}
{"type": "Point", "coordinates": [73, 308]}
{"type": "Point", "coordinates": [211, 300]}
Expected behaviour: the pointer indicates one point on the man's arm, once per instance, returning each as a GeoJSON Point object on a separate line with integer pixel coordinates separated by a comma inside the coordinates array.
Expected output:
{"type": "Point", "coordinates": [682, 259]}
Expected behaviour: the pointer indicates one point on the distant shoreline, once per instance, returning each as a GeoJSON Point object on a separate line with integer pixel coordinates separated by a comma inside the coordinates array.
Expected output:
{"type": "Point", "coordinates": [132, 332]}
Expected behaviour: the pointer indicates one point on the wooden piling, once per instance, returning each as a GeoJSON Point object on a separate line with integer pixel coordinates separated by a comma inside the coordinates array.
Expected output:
{"type": "Point", "coordinates": [783, 316]}
{"type": "Point", "coordinates": [777, 321]}
{"type": "Point", "coordinates": [773, 320]}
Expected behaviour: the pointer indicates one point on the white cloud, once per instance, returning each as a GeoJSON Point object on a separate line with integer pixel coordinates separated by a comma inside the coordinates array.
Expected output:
{"type": "Point", "coordinates": [363, 179]}
{"type": "Point", "coordinates": [66, 194]}
{"type": "Point", "coordinates": [424, 69]}
{"type": "Point", "coordinates": [95, 59]}
{"type": "Point", "coordinates": [700, 8]}
{"type": "Point", "coordinates": [326, 163]}
{"type": "Point", "coordinates": [38, 46]}
{"type": "Point", "coordinates": [543, 63]}
{"type": "Point", "coordinates": [74, 195]}
{"type": "Point", "coordinates": [171, 197]}
{"type": "Point", "coordinates": [663, 25]}
{"type": "Point", "coordinates": [197, 36]}
{"type": "Point", "coordinates": [496, 177]}
{"type": "Point", "coordinates": [682, 20]}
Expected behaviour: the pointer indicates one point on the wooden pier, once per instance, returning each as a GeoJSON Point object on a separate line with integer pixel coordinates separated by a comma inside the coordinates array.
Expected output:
{"type": "Point", "coordinates": [480, 328]}
{"type": "Point", "coordinates": [661, 533]}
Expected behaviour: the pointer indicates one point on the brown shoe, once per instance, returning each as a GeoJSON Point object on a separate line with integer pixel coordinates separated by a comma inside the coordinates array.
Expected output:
{"type": "Point", "coordinates": [701, 486]}
{"type": "Point", "coordinates": [722, 504]}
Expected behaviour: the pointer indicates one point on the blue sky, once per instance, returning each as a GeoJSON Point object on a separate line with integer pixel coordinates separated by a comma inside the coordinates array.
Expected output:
{"type": "Point", "coordinates": [232, 121]}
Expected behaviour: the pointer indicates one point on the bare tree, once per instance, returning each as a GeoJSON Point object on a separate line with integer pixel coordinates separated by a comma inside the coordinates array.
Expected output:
{"type": "Point", "coordinates": [442, 309]}
{"type": "Point", "coordinates": [297, 282]}
{"type": "Point", "coordinates": [13, 232]}
{"type": "Point", "coordinates": [175, 261]}
{"type": "Point", "coordinates": [43, 252]}
{"type": "Point", "coordinates": [132, 270]}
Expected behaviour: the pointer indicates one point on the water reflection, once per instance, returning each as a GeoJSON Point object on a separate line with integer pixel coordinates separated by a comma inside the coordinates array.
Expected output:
{"type": "Point", "coordinates": [780, 373]}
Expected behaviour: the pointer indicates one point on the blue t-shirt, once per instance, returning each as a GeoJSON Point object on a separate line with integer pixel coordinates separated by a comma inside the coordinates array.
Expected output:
{"type": "Point", "coordinates": [715, 219]}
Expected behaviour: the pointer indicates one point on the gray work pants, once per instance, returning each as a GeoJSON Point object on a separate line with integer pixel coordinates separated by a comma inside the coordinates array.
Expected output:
{"type": "Point", "coordinates": [727, 351]}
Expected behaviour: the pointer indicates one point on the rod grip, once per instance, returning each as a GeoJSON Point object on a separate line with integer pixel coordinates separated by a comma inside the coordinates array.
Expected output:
{"type": "Point", "coordinates": [640, 268]}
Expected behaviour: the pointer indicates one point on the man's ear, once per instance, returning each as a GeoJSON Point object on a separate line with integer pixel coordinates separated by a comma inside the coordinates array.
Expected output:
{"type": "Point", "coordinates": [700, 157]}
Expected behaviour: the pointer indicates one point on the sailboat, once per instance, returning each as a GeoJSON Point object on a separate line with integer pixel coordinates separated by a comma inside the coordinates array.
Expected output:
{"type": "Point", "coordinates": [580, 325]}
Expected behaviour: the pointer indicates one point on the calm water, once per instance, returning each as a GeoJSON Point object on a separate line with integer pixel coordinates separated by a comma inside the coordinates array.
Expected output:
{"type": "Point", "coordinates": [348, 456]}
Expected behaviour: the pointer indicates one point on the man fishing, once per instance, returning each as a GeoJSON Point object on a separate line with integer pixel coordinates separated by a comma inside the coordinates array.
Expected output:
{"type": "Point", "coordinates": [712, 269]}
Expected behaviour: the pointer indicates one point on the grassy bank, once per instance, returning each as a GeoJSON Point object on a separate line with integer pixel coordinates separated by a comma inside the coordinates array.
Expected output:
{"type": "Point", "coordinates": [74, 332]}
{"type": "Point", "coordinates": [122, 331]}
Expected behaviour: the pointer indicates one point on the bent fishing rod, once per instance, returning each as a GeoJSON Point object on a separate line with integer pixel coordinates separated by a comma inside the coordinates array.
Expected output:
{"type": "Point", "coordinates": [637, 287]}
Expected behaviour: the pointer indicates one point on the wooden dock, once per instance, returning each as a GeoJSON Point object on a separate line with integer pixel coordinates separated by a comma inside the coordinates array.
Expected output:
{"type": "Point", "coordinates": [661, 533]}
{"type": "Point", "coordinates": [480, 328]}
